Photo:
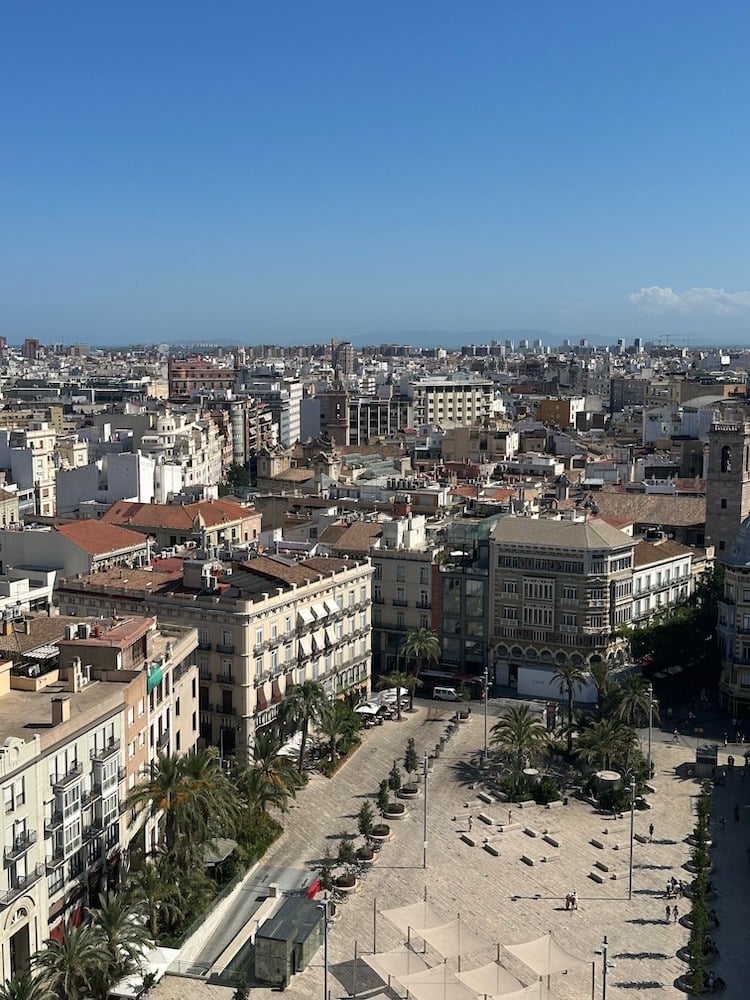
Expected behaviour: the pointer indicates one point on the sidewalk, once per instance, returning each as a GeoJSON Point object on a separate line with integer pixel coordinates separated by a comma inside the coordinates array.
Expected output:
{"type": "Point", "coordinates": [501, 897]}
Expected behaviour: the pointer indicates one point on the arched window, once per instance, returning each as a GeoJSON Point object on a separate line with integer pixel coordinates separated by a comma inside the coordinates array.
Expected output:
{"type": "Point", "coordinates": [726, 458]}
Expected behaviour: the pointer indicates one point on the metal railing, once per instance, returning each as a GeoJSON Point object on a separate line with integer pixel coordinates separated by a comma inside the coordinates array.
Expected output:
{"type": "Point", "coordinates": [73, 772]}
{"type": "Point", "coordinates": [102, 754]}
{"type": "Point", "coordinates": [22, 884]}
{"type": "Point", "coordinates": [20, 845]}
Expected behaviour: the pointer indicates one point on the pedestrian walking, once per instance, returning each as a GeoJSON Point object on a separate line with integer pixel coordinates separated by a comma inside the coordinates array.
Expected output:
{"type": "Point", "coordinates": [469, 824]}
{"type": "Point", "coordinates": [675, 914]}
{"type": "Point", "coordinates": [669, 912]}
{"type": "Point", "coordinates": [510, 815]}
{"type": "Point", "coordinates": [650, 832]}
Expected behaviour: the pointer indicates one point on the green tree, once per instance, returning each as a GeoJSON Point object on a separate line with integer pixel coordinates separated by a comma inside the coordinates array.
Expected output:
{"type": "Point", "coordinates": [160, 896]}
{"type": "Point", "coordinates": [384, 797]}
{"type": "Point", "coordinates": [607, 742]}
{"type": "Point", "coordinates": [365, 819]}
{"type": "Point", "coordinates": [237, 476]}
{"type": "Point", "coordinates": [394, 778]}
{"type": "Point", "coordinates": [633, 700]}
{"type": "Point", "coordinates": [162, 793]}
{"type": "Point", "coordinates": [121, 923]}
{"type": "Point", "coordinates": [338, 722]}
{"type": "Point", "coordinates": [600, 672]}
{"type": "Point", "coordinates": [25, 987]}
{"type": "Point", "coordinates": [420, 645]}
{"type": "Point", "coordinates": [411, 759]}
{"type": "Point", "coordinates": [270, 779]}
{"type": "Point", "coordinates": [304, 705]}
{"type": "Point", "coordinates": [569, 676]}
{"type": "Point", "coordinates": [395, 679]}
{"type": "Point", "coordinates": [72, 966]}
{"type": "Point", "coordinates": [519, 735]}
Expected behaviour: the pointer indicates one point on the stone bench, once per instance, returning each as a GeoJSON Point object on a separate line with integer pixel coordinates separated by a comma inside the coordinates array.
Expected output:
{"type": "Point", "coordinates": [613, 829]}
{"type": "Point", "coordinates": [508, 827]}
{"type": "Point", "coordinates": [551, 829]}
{"type": "Point", "coordinates": [468, 839]}
{"type": "Point", "coordinates": [618, 847]}
{"type": "Point", "coordinates": [492, 850]}
{"type": "Point", "coordinates": [530, 831]}
{"type": "Point", "coordinates": [551, 840]}
{"type": "Point", "coordinates": [596, 843]}
{"type": "Point", "coordinates": [493, 839]}
{"type": "Point", "coordinates": [557, 804]}
{"type": "Point", "coordinates": [549, 857]}
{"type": "Point", "coordinates": [527, 860]}
{"type": "Point", "coordinates": [602, 866]}
{"type": "Point", "coordinates": [642, 838]}
{"type": "Point", "coordinates": [596, 877]}
{"type": "Point", "coordinates": [484, 818]}
{"type": "Point", "coordinates": [526, 804]}
{"type": "Point", "coordinates": [484, 797]}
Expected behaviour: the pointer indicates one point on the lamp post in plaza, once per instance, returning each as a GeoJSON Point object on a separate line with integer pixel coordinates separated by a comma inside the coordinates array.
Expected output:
{"type": "Point", "coordinates": [632, 820]}
{"type": "Point", "coordinates": [650, 724]}
{"type": "Point", "coordinates": [426, 766]}
{"type": "Point", "coordinates": [486, 698]}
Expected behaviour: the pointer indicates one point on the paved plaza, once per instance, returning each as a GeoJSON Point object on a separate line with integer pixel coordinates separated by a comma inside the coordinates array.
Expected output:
{"type": "Point", "coordinates": [503, 898]}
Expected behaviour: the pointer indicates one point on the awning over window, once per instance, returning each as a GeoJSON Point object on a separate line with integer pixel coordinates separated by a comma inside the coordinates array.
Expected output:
{"type": "Point", "coordinates": [330, 635]}
{"type": "Point", "coordinates": [305, 644]}
{"type": "Point", "coordinates": [305, 617]}
{"type": "Point", "coordinates": [319, 611]}
{"type": "Point", "coordinates": [331, 606]}
{"type": "Point", "coordinates": [261, 700]}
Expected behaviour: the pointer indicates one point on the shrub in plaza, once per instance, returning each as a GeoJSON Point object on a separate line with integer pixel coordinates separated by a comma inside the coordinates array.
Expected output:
{"type": "Point", "coordinates": [545, 791]}
{"type": "Point", "coordinates": [346, 857]}
{"type": "Point", "coordinates": [365, 819]}
{"type": "Point", "coordinates": [394, 778]}
{"type": "Point", "coordinates": [411, 762]}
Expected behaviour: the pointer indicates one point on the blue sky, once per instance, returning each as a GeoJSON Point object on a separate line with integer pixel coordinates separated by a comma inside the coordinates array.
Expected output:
{"type": "Point", "coordinates": [293, 171]}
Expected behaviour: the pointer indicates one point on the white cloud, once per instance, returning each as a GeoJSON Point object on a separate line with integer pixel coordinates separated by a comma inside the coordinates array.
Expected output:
{"type": "Point", "coordinates": [716, 301]}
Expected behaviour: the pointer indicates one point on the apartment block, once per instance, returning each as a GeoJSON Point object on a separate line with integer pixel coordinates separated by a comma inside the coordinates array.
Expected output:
{"type": "Point", "coordinates": [263, 626]}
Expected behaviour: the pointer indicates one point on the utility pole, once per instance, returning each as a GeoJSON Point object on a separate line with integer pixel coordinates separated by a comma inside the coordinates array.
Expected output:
{"type": "Point", "coordinates": [632, 819]}
{"type": "Point", "coordinates": [325, 907]}
{"type": "Point", "coordinates": [650, 725]}
{"type": "Point", "coordinates": [426, 763]}
{"type": "Point", "coordinates": [486, 698]}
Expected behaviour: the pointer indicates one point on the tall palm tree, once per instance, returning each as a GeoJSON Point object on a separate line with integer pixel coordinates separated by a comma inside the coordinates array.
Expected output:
{"type": "Point", "coordinates": [25, 987]}
{"type": "Point", "coordinates": [420, 644]}
{"type": "Point", "coordinates": [161, 792]}
{"type": "Point", "coordinates": [72, 966]}
{"type": "Point", "coordinates": [600, 672]}
{"type": "Point", "coordinates": [606, 742]}
{"type": "Point", "coordinates": [151, 887]}
{"type": "Point", "coordinates": [260, 792]}
{"type": "Point", "coordinates": [304, 705]}
{"type": "Point", "coordinates": [634, 699]}
{"type": "Point", "coordinates": [338, 721]}
{"type": "Point", "coordinates": [207, 806]}
{"type": "Point", "coordinates": [569, 675]}
{"type": "Point", "coordinates": [122, 925]}
{"type": "Point", "coordinates": [270, 779]}
{"type": "Point", "coordinates": [519, 735]}
{"type": "Point", "coordinates": [396, 679]}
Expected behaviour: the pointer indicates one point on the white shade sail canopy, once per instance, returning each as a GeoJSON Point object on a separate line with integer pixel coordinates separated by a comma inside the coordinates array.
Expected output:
{"type": "Point", "coordinates": [418, 916]}
{"type": "Point", "coordinates": [397, 963]}
{"type": "Point", "coordinates": [545, 956]}
{"type": "Point", "coordinates": [438, 983]}
{"type": "Point", "coordinates": [453, 939]}
{"type": "Point", "coordinates": [492, 979]}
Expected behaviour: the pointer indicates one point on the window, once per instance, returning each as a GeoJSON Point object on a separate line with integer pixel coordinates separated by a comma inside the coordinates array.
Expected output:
{"type": "Point", "coordinates": [723, 503]}
{"type": "Point", "coordinates": [274, 632]}
{"type": "Point", "coordinates": [569, 593]}
{"type": "Point", "coordinates": [226, 638]}
{"type": "Point", "coordinates": [424, 575]}
{"type": "Point", "coordinates": [537, 616]}
{"type": "Point", "coordinates": [400, 573]}
{"type": "Point", "coordinates": [274, 660]}
{"type": "Point", "coordinates": [568, 619]}
{"type": "Point", "coordinates": [351, 598]}
{"type": "Point", "coordinates": [400, 620]}
{"type": "Point", "coordinates": [510, 587]}
{"type": "Point", "coordinates": [538, 589]}
{"type": "Point", "coordinates": [258, 666]}
{"type": "Point", "coordinates": [259, 637]}
{"type": "Point", "coordinates": [401, 594]}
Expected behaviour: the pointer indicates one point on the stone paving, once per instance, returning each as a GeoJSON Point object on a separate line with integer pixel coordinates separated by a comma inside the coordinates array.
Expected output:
{"type": "Point", "coordinates": [501, 897]}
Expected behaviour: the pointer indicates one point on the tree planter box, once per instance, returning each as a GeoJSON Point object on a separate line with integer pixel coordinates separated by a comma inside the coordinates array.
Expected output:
{"type": "Point", "coordinates": [708, 959]}
{"type": "Point", "coordinates": [365, 857]}
{"type": "Point", "coordinates": [381, 832]}
{"type": "Point", "coordinates": [408, 792]}
{"type": "Point", "coordinates": [395, 810]}
{"type": "Point", "coordinates": [345, 884]}
{"type": "Point", "coordinates": [463, 717]}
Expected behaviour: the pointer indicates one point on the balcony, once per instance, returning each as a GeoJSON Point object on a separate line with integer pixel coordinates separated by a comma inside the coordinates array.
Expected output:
{"type": "Point", "coordinates": [122, 773]}
{"type": "Point", "coordinates": [205, 676]}
{"type": "Point", "coordinates": [225, 709]}
{"type": "Point", "coordinates": [399, 603]}
{"type": "Point", "coordinates": [53, 823]}
{"type": "Point", "coordinates": [378, 599]}
{"type": "Point", "coordinates": [205, 646]}
{"type": "Point", "coordinates": [74, 772]}
{"type": "Point", "coordinates": [91, 831]}
{"type": "Point", "coordinates": [99, 756]}
{"type": "Point", "coordinates": [93, 793]}
{"type": "Point", "coordinates": [163, 740]}
{"type": "Point", "coordinates": [424, 604]}
{"type": "Point", "coordinates": [21, 885]}
{"type": "Point", "coordinates": [258, 648]}
{"type": "Point", "coordinates": [225, 679]}
{"type": "Point", "coordinates": [225, 648]}
{"type": "Point", "coordinates": [55, 859]}
{"type": "Point", "coordinates": [20, 846]}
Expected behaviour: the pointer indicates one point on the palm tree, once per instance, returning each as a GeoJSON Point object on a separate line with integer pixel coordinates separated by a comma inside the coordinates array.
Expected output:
{"type": "Point", "coordinates": [634, 699]}
{"type": "Point", "coordinates": [606, 741]}
{"type": "Point", "coordinates": [207, 806]}
{"type": "Point", "coordinates": [160, 792]}
{"type": "Point", "coordinates": [420, 644]}
{"type": "Point", "coordinates": [72, 966]}
{"type": "Point", "coordinates": [569, 675]}
{"type": "Point", "coordinates": [600, 671]}
{"type": "Point", "coordinates": [395, 679]}
{"type": "Point", "coordinates": [121, 923]}
{"type": "Point", "coordinates": [270, 779]}
{"type": "Point", "coordinates": [25, 987]}
{"type": "Point", "coordinates": [519, 735]}
{"type": "Point", "coordinates": [337, 721]}
{"type": "Point", "coordinates": [151, 887]}
{"type": "Point", "coordinates": [305, 704]}
{"type": "Point", "coordinates": [260, 792]}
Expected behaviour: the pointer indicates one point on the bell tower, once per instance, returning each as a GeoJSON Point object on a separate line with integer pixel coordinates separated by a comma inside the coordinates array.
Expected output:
{"type": "Point", "coordinates": [727, 479]}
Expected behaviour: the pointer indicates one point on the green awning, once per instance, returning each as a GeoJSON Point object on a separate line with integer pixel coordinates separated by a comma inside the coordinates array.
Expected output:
{"type": "Point", "coordinates": [155, 675]}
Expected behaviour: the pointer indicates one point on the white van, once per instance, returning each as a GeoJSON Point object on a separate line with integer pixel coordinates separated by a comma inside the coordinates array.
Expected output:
{"type": "Point", "coordinates": [445, 694]}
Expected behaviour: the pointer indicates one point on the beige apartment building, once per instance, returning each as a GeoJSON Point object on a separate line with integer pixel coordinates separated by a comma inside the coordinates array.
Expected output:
{"type": "Point", "coordinates": [560, 590]}
{"type": "Point", "coordinates": [80, 718]}
{"type": "Point", "coordinates": [263, 626]}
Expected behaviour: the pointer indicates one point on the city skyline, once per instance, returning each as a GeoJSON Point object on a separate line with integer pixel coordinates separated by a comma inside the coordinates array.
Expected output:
{"type": "Point", "coordinates": [254, 174]}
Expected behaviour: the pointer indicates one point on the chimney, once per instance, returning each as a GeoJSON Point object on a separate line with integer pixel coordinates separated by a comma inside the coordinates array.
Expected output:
{"type": "Point", "coordinates": [60, 710]}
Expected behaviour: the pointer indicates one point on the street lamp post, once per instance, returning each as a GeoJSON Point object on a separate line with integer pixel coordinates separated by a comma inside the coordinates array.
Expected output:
{"type": "Point", "coordinates": [650, 724]}
{"type": "Point", "coordinates": [605, 965]}
{"type": "Point", "coordinates": [632, 819]}
{"type": "Point", "coordinates": [486, 698]}
{"type": "Point", "coordinates": [426, 765]}
{"type": "Point", "coordinates": [325, 907]}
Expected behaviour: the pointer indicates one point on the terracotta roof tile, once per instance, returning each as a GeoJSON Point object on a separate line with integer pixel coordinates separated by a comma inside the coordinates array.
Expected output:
{"type": "Point", "coordinates": [180, 517]}
{"type": "Point", "coordinates": [97, 538]}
